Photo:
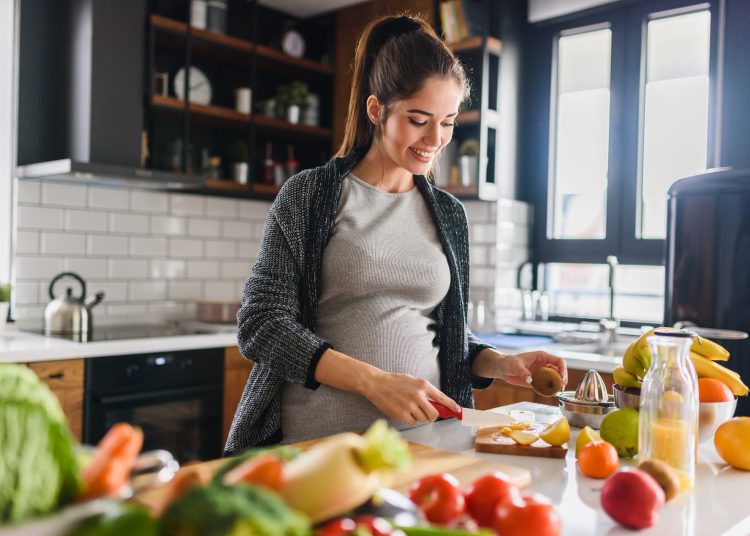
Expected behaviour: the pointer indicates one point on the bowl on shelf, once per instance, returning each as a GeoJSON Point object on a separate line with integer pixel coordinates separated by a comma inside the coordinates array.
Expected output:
{"type": "Point", "coordinates": [626, 397]}
{"type": "Point", "coordinates": [711, 415]}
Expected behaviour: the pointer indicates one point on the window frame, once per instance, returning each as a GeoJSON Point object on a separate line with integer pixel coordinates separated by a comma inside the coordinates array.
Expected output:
{"type": "Point", "coordinates": [628, 22]}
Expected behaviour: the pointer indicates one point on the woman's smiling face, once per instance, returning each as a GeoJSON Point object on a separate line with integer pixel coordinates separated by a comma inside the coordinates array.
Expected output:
{"type": "Point", "coordinates": [419, 126]}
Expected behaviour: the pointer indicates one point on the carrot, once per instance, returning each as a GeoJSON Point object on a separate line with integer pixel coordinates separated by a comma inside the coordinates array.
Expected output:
{"type": "Point", "coordinates": [264, 470]}
{"type": "Point", "coordinates": [110, 467]}
{"type": "Point", "coordinates": [187, 477]}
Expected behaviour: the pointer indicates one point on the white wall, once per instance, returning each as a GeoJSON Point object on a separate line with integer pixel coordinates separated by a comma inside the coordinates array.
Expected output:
{"type": "Point", "coordinates": [8, 77]}
{"type": "Point", "coordinates": [547, 9]}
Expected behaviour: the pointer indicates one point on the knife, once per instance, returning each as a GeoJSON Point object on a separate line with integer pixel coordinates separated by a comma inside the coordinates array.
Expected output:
{"type": "Point", "coordinates": [473, 417]}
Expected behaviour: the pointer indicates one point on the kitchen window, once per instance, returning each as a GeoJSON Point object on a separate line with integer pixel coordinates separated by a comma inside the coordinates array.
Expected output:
{"type": "Point", "coordinates": [620, 103]}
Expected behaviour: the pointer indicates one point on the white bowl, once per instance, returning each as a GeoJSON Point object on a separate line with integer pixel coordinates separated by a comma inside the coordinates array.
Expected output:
{"type": "Point", "coordinates": [711, 415]}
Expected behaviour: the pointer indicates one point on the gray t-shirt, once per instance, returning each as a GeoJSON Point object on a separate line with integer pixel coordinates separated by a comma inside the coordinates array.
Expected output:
{"type": "Point", "coordinates": [383, 273]}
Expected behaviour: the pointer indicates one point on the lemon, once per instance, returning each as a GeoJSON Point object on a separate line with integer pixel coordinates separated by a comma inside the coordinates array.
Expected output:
{"type": "Point", "coordinates": [557, 433]}
{"type": "Point", "coordinates": [587, 435]}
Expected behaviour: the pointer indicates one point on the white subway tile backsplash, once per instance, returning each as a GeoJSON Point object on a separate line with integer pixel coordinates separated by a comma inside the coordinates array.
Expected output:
{"type": "Point", "coordinates": [185, 290]}
{"type": "Point", "coordinates": [168, 269]}
{"type": "Point", "coordinates": [27, 242]}
{"type": "Point", "coordinates": [168, 225]}
{"type": "Point", "coordinates": [237, 229]}
{"type": "Point", "coordinates": [156, 253]}
{"type": "Point", "coordinates": [192, 205]}
{"type": "Point", "coordinates": [147, 290]}
{"type": "Point", "coordinates": [204, 227]}
{"type": "Point", "coordinates": [221, 249]}
{"type": "Point", "coordinates": [222, 208]}
{"type": "Point", "coordinates": [254, 210]}
{"type": "Point", "coordinates": [247, 249]}
{"type": "Point", "coordinates": [109, 198]}
{"type": "Point", "coordinates": [87, 268]}
{"type": "Point", "coordinates": [86, 220]}
{"type": "Point", "coordinates": [107, 245]}
{"type": "Point", "coordinates": [27, 293]}
{"type": "Point", "coordinates": [63, 243]}
{"type": "Point", "coordinates": [203, 269]}
{"type": "Point", "coordinates": [121, 222]}
{"type": "Point", "coordinates": [128, 269]}
{"type": "Point", "coordinates": [114, 291]}
{"type": "Point", "coordinates": [235, 269]}
{"type": "Point", "coordinates": [185, 247]}
{"type": "Point", "coordinates": [30, 217]}
{"type": "Point", "coordinates": [37, 267]}
{"type": "Point", "coordinates": [221, 290]}
{"type": "Point", "coordinates": [29, 191]}
{"type": "Point", "coordinates": [143, 246]}
{"type": "Point", "coordinates": [144, 201]}
{"type": "Point", "coordinates": [69, 195]}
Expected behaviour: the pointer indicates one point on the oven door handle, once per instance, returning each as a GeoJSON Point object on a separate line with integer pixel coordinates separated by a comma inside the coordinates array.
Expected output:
{"type": "Point", "coordinates": [131, 397]}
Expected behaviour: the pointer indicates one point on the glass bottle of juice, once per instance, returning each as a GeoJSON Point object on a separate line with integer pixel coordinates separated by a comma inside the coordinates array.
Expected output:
{"type": "Point", "coordinates": [668, 418]}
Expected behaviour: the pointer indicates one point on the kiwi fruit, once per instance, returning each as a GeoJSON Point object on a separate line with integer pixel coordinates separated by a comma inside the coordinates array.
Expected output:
{"type": "Point", "coordinates": [664, 475]}
{"type": "Point", "coordinates": [546, 381]}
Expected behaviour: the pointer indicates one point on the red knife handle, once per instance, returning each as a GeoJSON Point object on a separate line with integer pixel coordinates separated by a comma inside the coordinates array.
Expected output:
{"type": "Point", "coordinates": [446, 413]}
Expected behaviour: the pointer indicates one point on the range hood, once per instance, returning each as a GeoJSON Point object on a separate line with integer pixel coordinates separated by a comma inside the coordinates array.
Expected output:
{"type": "Point", "coordinates": [81, 84]}
{"type": "Point", "coordinates": [68, 170]}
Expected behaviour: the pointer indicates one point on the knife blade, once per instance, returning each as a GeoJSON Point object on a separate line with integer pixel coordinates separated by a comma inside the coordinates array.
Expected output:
{"type": "Point", "coordinates": [473, 417]}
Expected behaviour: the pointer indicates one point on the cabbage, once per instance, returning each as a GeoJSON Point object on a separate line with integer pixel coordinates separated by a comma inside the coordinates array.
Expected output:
{"type": "Point", "coordinates": [39, 469]}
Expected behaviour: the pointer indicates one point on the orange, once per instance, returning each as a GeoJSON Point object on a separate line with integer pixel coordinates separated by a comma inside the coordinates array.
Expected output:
{"type": "Point", "coordinates": [598, 459]}
{"type": "Point", "coordinates": [713, 390]}
{"type": "Point", "coordinates": [732, 442]}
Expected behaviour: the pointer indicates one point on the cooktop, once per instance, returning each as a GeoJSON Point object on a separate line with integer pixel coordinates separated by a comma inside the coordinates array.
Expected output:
{"type": "Point", "coordinates": [137, 331]}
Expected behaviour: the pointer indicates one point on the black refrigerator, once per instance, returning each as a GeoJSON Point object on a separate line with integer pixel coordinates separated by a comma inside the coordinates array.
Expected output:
{"type": "Point", "coordinates": [708, 259]}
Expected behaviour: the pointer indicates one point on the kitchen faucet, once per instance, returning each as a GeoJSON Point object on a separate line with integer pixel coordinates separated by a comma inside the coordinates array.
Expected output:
{"type": "Point", "coordinates": [608, 326]}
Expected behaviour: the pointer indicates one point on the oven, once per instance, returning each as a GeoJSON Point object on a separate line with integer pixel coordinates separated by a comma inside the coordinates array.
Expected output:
{"type": "Point", "coordinates": [175, 397]}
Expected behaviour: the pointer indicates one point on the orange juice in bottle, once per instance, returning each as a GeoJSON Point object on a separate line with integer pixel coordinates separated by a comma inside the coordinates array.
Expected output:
{"type": "Point", "coordinates": [668, 417]}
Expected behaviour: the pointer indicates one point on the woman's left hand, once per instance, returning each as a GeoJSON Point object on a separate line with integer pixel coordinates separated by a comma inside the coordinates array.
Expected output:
{"type": "Point", "coordinates": [517, 369]}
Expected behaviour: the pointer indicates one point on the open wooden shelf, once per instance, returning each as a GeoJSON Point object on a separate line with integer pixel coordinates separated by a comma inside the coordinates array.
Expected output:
{"type": "Point", "coordinates": [224, 116]}
{"type": "Point", "coordinates": [477, 43]}
{"type": "Point", "coordinates": [462, 191]}
{"type": "Point", "coordinates": [468, 117]}
{"type": "Point", "coordinates": [237, 50]}
{"type": "Point", "coordinates": [261, 188]}
{"type": "Point", "coordinates": [226, 184]}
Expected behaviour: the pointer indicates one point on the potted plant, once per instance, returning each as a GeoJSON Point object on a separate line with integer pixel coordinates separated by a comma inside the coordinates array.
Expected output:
{"type": "Point", "coordinates": [293, 97]}
{"type": "Point", "coordinates": [468, 161]}
{"type": "Point", "coordinates": [4, 304]}
{"type": "Point", "coordinates": [239, 152]}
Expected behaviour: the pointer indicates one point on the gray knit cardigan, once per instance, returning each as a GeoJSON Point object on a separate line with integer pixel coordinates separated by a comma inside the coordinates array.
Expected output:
{"type": "Point", "coordinates": [278, 317]}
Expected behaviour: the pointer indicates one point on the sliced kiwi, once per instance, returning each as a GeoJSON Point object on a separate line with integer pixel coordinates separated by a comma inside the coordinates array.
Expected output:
{"type": "Point", "coordinates": [664, 475]}
{"type": "Point", "coordinates": [546, 381]}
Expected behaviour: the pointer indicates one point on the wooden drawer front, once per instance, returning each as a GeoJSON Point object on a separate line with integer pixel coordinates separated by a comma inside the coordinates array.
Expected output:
{"type": "Point", "coordinates": [60, 374]}
{"type": "Point", "coordinates": [236, 371]}
{"type": "Point", "coordinates": [65, 379]}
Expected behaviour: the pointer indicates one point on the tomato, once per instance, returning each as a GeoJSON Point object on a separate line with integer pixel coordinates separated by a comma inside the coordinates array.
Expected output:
{"type": "Point", "coordinates": [486, 493]}
{"type": "Point", "coordinates": [439, 497]}
{"type": "Point", "coordinates": [532, 514]}
{"type": "Point", "coordinates": [337, 527]}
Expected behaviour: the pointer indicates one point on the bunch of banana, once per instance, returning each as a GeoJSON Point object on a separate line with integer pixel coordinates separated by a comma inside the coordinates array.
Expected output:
{"type": "Point", "coordinates": [703, 353]}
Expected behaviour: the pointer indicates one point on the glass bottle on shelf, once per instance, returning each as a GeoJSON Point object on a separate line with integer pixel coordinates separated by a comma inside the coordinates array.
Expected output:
{"type": "Point", "coordinates": [668, 418]}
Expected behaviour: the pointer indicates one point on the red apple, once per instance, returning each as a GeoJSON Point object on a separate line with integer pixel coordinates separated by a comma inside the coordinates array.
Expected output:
{"type": "Point", "coordinates": [632, 498]}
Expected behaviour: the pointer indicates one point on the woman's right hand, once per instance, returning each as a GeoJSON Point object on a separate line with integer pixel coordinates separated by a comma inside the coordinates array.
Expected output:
{"type": "Point", "coordinates": [407, 398]}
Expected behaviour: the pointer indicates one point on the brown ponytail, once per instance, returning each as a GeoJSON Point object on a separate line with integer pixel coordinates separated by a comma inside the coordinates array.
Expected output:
{"type": "Point", "coordinates": [395, 55]}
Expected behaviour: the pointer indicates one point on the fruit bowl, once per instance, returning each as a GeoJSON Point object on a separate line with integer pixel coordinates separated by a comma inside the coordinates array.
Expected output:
{"type": "Point", "coordinates": [626, 397]}
{"type": "Point", "coordinates": [712, 414]}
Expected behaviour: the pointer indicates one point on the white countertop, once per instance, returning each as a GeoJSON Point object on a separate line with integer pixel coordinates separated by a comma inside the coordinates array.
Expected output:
{"type": "Point", "coordinates": [716, 506]}
{"type": "Point", "coordinates": [25, 347]}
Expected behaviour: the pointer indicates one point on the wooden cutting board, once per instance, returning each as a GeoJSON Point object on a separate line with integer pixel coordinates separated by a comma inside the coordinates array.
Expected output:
{"type": "Point", "coordinates": [492, 441]}
{"type": "Point", "coordinates": [425, 461]}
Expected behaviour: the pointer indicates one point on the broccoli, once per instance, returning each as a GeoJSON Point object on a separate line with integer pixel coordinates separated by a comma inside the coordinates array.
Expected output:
{"type": "Point", "coordinates": [239, 510]}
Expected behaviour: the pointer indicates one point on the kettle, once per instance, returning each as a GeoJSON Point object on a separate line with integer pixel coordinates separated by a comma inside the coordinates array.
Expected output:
{"type": "Point", "coordinates": [69, 315]}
